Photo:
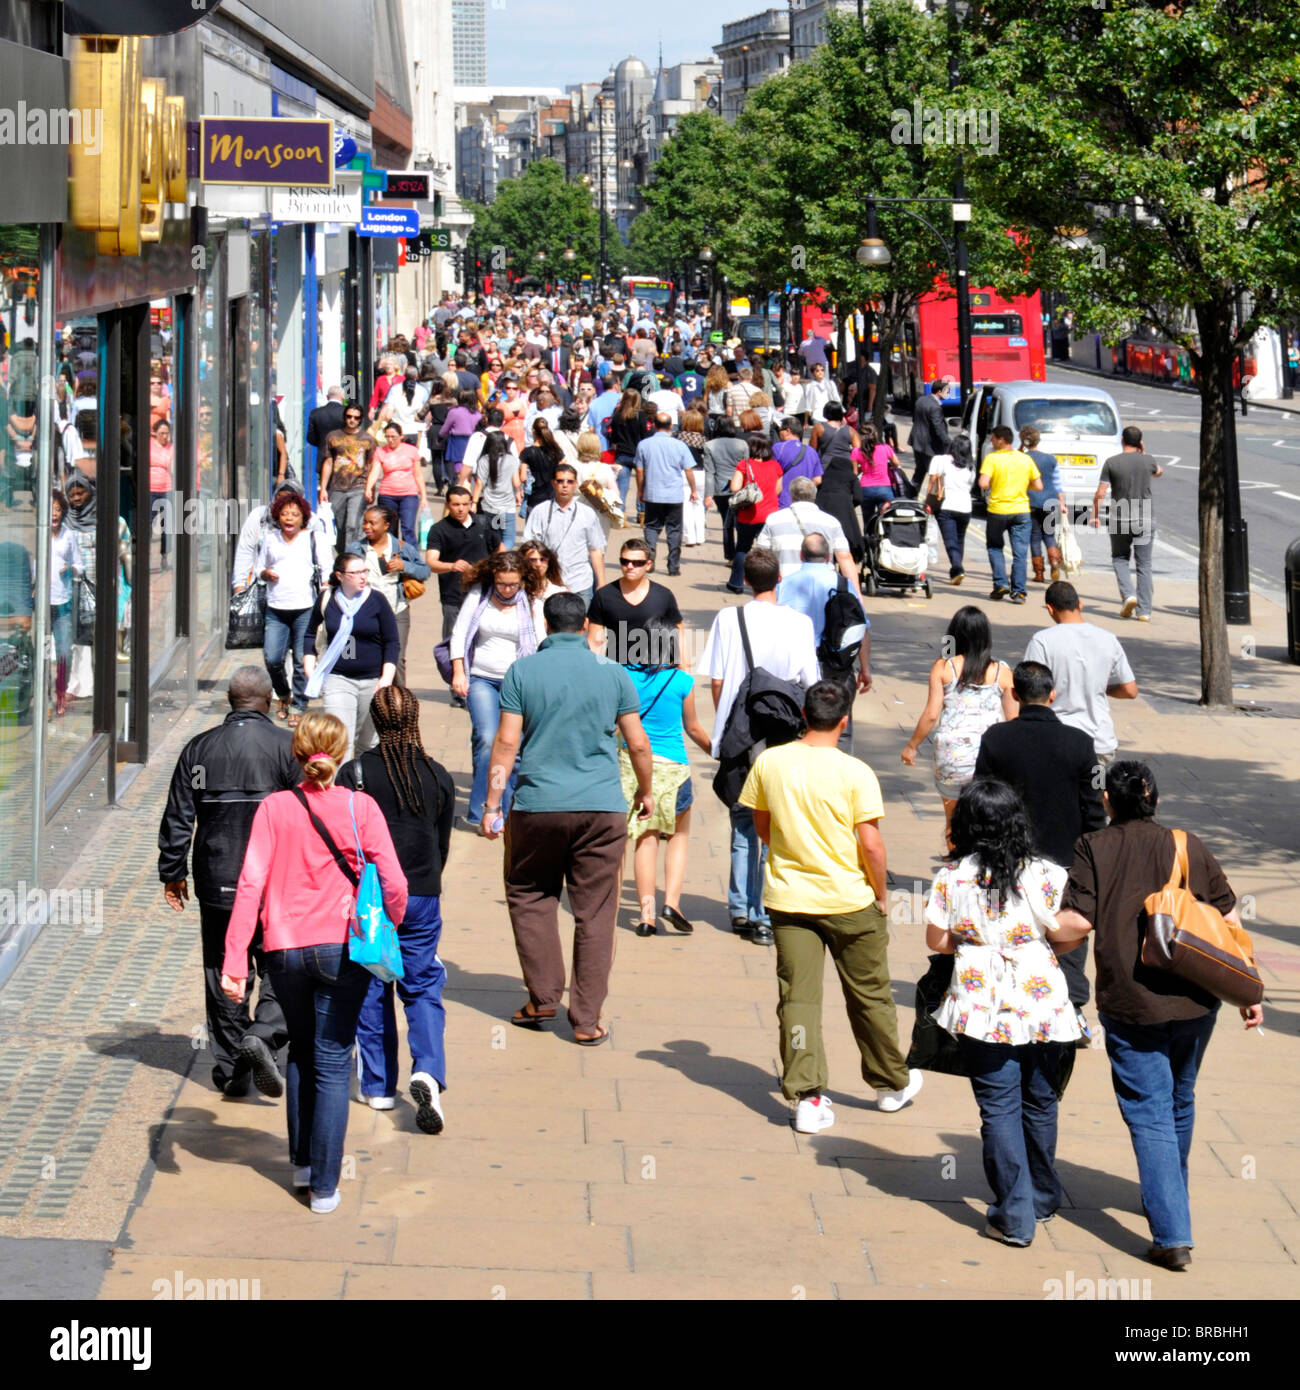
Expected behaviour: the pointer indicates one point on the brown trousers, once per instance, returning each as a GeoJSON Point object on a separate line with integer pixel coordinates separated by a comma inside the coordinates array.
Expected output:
{"type": "Point", "coordinates": [544, 851]}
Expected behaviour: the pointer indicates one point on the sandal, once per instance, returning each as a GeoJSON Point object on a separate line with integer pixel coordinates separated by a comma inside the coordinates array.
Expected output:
{"type": "Point", "coordinates": [283, 712]}
{"type": "Point", "coordinates": [530, 1017]}
{"type": "Point", "coordinates": [602, 1036]}
{"type": "Point", "coordinates": [294, 717]}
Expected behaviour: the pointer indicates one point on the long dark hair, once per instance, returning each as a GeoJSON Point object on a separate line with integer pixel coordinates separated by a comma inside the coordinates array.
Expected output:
{"type": "Point", "coordinates": [546, 441]}
{"type": "Point", "coordinates": [395, 713]}
{"type": "Point", "coordinates": [970, 637]}
{"type": "Point", "coordinates": [483, 575]}
{"type": "Point", "coordinates": [990, 824]}
{"type": "Point", "coordinates": [495, 447]}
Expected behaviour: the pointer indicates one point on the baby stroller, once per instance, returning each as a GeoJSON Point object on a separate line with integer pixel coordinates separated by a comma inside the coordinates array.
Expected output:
{"type": "Point", "coordinates": [896, 551]}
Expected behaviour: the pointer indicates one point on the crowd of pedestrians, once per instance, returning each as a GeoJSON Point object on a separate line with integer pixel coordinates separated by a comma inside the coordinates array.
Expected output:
{"type": "Point", "coordinates": [581, 697]}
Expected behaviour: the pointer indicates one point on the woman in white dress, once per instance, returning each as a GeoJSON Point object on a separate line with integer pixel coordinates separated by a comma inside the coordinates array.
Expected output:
{"type": "Point", "coordinates": [693, 519]}
{"type": "Point", "coordinates": [994, 904]}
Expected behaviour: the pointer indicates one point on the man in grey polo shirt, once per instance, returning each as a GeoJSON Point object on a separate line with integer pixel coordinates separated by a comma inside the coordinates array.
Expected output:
{"type": "Point", "coordinates": [662, 462]}
{"type": "Point", "coordinates": [572, 529]}
{"type": "Point", "coordinates": [569, 820]}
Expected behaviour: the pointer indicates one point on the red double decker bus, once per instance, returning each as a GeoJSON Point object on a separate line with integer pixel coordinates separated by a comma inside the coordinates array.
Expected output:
{"type": "Point", "coordinates": [1006, 341]}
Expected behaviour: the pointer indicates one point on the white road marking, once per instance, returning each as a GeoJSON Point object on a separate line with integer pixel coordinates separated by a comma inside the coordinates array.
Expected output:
{"type": "Point", "coordinates": [1290, 496]}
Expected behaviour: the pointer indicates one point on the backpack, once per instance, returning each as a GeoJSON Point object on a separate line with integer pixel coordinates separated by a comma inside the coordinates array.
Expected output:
{"type": "Point", "coordinates": [766, 713]}
{"type": "Point", "coordinates": [843, 634]}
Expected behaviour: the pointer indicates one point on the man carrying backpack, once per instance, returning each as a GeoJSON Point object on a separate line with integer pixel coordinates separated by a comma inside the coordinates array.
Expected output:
{"type": "Point", "coordinates": [841, 627]}
{"type": "Point", "coordinates": [777, 645]}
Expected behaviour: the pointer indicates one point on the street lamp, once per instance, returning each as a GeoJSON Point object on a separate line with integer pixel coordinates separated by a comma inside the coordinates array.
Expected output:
{"type": "Point", "coordinates": [958, 273]}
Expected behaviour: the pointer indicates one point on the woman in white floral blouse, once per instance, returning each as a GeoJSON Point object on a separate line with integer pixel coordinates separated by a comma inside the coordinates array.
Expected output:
{"type": "Point", "coordinates": [995, 905]}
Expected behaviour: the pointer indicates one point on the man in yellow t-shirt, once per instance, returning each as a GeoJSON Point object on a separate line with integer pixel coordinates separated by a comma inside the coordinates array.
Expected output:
{"type": "Point", "coordinates": [818, 811]}
{"type": "Point", "coordinates": [1008, 476]}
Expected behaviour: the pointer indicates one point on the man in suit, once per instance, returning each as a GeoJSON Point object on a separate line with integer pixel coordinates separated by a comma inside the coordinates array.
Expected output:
{"type": "Point", "coordinates": [1055, 769]}
{"type": "Point", "coordinates": [929, 429]}
{"type": "Point", "coordinates": [325, 419]}
{"type": "Point", "coordinates": [556, 357]}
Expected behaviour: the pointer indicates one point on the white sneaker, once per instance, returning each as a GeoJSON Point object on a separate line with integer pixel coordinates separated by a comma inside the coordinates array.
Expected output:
{"type": "Point", "coordinates": [428, 1103]}
{"type": "Point", "coordinates": [890, 1101]}
{"type": "Point", "coordinates": [379, 1102]}
{"type": "Point", "coordinates": [321, 1205]}
{"type": "Point", "coordinates": [813, 1114]}
{"type": "Point", "coordinates": [1129, 608]}
{"type": "Point", "coordinates": [301, 1178]}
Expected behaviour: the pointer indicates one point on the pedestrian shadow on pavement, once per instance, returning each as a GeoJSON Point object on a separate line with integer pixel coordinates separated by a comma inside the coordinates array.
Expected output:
{"type": "Point", "coordinates": [172, 1052]}
{"type": "Point", "coordinates": [195, 1131]}
{"type": "Point", "coordinates": [751, 1085]}
{"type": "Point", "coordinates": [946, 1180]}
{"type": "Point", "coordinates": [488, 993]}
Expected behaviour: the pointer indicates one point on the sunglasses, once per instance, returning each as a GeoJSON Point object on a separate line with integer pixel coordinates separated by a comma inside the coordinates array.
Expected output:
{"type": "Point", "coordinates": [634, 564]}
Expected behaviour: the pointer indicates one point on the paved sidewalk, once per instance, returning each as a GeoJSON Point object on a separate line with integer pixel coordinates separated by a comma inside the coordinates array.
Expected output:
{"type": "Point", "coordinates": [661, 1165]}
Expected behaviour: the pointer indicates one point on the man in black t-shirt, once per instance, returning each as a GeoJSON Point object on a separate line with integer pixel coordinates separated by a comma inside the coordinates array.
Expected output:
{"type": "Point", "coordinates": [456, 544]}
{"type": "Point", "coordinates": [640, 619]}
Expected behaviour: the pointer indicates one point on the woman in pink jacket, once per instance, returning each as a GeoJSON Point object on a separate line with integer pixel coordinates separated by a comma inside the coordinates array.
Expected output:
{"type": "Point", "coordinates": [293, 880]}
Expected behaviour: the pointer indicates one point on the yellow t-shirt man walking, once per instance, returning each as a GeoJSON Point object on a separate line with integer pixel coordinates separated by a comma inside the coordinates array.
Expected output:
{"type": "Point", "coordinates": [818, 810]}
{"type": "Point", "coordinates": [1008, 476]}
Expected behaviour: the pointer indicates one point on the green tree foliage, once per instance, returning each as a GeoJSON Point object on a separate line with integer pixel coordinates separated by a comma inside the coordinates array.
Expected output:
{"type": "Point", "coordinates": [1147, 160]}
{"type": "Point", "coordinates": [539, 211]}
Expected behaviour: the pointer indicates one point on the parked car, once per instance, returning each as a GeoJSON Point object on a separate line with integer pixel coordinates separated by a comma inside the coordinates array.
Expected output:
{"type": "Point", "coordinates": [1079, 424]}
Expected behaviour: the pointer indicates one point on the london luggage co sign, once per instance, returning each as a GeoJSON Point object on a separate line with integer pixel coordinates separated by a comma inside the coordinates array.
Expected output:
{"type": "Point", "coordinates": [266, 153]}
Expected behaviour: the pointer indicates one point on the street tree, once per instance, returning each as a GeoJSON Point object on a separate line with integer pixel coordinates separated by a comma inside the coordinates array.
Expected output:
{"type": "Point", "coordinates": [540, 212]}
{"type": "Point", "coordinates": [1146, 164]}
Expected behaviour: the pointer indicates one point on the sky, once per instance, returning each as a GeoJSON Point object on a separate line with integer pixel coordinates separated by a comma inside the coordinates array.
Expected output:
{"type": "Point", "coordinates": [553, 44]}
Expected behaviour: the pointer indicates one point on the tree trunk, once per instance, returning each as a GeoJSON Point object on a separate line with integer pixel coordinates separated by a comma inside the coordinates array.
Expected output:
{"type": "Point", "coordinates": [1214, 322]}
{"type": "Point", "coordinates": [887, 329]}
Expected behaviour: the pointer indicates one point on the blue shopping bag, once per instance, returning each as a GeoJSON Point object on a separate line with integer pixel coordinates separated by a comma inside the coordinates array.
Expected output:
{"type": "Point", "coordinates": [372, 939]}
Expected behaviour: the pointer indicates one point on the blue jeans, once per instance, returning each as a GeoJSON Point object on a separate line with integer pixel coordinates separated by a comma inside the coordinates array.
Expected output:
{"type": "Point", "coordinates": [1018, 1129]}
{"type": "Point", "coordinates": [1018, 528]}
{"type": "Point", "coordinates": [321, 993]}
{"type": "Point", "coordinates": [507, 526]}
{"type": "Point", "coordinates": [1153, 1068]}
{"type": "Point", "coordinates": [420, 991]}
{"type": "Point", "coordinates": [286, 628]}
{"type": "Point", "coordinates": [748, 855]}
{"type": "Point", "coordinates": [952, 527]}
{"type": "Point", "coordinates": [746, 535]}
{"type": "Point", "coordinates": [484, 703]}
{"type": "Point", "coordinates": [408, 510]}
{"type": "Point", "coordinates": [624, 466]}
{"type": "Point", "coordinates": [873, 498]}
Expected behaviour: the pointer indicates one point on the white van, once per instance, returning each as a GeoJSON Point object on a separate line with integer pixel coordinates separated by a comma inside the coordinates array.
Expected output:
{"type": "Point", "coordinates": [1079, 424]}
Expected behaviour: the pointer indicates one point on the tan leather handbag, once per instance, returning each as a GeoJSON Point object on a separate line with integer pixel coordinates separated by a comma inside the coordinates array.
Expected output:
{"type": "Point", "coordinates": [1194, 941]}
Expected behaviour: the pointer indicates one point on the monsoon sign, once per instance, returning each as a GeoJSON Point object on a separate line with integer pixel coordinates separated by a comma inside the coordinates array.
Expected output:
{"type": "Point", "coordinates": [266, 153]}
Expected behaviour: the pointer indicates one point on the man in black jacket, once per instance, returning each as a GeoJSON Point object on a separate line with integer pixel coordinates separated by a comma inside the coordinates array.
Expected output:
{"type": "Point", "coordinates": [221, 778]}
{"type": "Point", "coordinates": [929, 429]}
{"type": "Point", "coordinates": [1055, 770]}
{"type": "Point", "coordinates": [325, 419]}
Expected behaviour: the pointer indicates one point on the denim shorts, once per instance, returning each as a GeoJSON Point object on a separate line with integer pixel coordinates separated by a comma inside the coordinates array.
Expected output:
{"type": "Point", "coordinates": [685, 797]}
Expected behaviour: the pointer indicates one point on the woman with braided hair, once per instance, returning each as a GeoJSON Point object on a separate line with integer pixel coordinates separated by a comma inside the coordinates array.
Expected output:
{"type": "Point", "coordinates": [418, 799]}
